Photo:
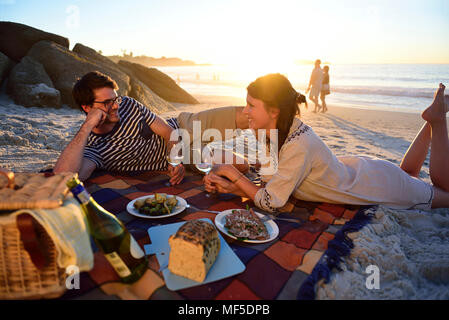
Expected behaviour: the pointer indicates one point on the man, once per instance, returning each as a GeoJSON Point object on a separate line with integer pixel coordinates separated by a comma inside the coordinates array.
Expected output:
{"type": "Point", "coordinates": [316, 80]}
{"type": "Point", "coordinates": [119, 133]}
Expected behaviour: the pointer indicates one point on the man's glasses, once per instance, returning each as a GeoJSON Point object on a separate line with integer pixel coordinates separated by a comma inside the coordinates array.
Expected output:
{"type": "Point", "coordinates": [110, 102]}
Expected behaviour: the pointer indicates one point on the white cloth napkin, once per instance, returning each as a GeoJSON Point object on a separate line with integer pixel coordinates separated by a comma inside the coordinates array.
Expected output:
{"type": "Point", "coordinates": [67, 227]}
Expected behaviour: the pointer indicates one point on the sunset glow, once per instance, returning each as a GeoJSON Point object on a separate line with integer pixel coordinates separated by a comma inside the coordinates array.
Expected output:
{"type": "Point", "coordinates": [250, 33]}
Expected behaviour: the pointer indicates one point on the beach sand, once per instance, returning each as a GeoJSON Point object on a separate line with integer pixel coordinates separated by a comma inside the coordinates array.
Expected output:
{"type": "Point", "coordinates": [409, 247]}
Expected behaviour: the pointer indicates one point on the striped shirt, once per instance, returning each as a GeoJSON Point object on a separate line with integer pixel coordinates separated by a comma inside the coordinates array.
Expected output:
{"type": "Point", "coordinates": [131, 145]}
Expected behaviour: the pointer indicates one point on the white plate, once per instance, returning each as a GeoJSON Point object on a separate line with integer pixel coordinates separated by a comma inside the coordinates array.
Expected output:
{"type": "Point", "coordinates": [180, 207]}
{"type": "Point", "coordinates": [272, 227]}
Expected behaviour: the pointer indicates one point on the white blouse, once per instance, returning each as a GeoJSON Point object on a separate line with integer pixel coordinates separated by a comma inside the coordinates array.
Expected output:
{"type": "Point", "coordinates": [308, 170]}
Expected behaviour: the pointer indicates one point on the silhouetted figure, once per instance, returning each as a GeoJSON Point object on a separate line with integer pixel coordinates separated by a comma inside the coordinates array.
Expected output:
{"type": "Point", "coordinates": [315, 83]}
{"type": "Point", "coordinates": [325, 88]}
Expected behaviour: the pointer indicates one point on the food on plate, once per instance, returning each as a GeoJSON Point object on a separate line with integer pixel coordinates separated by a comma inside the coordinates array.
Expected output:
{"type": "Point", "coordinates": [246, 225]}
{"type": "Point", "coordinates": [158, 205]}
{"type": "Point", "coordinates": [193, 250]}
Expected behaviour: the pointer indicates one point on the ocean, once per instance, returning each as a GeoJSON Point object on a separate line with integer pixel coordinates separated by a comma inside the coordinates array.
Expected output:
{"type": "Point", "coordinates": [393, 87]}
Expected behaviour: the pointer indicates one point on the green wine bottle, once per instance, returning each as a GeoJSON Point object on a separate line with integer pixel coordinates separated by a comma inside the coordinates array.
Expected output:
{"type": "Point", "coordinates": [111, 237]}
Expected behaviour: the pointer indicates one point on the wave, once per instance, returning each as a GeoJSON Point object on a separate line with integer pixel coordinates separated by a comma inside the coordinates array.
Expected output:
{"type": "Point", "coordinates": [390, 78]}
{"type": "Point", "coordinates": [225, 88]}
{"type": "Point", "coordinates": [386, 91]}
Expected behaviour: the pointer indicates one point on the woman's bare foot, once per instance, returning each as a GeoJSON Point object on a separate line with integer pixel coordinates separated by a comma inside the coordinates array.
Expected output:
{"type": "Point", "coordinates": [437, 110]}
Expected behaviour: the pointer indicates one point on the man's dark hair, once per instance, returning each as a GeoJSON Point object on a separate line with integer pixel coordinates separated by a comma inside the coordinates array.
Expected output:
{"type": "Point", "coordinates": [83, 90]}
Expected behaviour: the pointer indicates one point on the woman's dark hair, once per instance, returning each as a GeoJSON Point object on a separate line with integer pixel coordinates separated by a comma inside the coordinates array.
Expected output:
{"type": "Point", "coordinates": [83, 90]}
{"type": "Point", "coordinates": [277, 92]}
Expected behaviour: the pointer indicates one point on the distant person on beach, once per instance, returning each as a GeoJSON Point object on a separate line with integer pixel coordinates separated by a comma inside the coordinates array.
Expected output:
{"type": "Point", "coordinates": [325, 88]}
{"type": "Point", "coordinates": [315, 84]}
{"type": "Point", "coordinates": [119, 134]}
{"type": "Point", "coordinates": [306, 169]}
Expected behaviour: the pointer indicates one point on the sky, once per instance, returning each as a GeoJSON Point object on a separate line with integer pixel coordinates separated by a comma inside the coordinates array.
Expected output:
{"type": "Point", "coordinates": [241, 32]}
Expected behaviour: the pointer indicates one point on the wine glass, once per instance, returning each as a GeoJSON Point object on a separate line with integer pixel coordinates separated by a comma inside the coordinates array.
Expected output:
{"type": "Point", "coordinates": [206, 162]}
{"type": "Point", "coordinates": [175, 155]}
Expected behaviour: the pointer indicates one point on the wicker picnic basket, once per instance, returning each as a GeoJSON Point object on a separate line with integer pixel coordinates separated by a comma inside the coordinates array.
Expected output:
{"type": "Point", "coordinates": [20, 276]}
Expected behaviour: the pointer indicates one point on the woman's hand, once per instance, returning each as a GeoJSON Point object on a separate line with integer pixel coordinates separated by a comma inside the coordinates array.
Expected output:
{"type": "Point", "coordinates": [176, 173]}
{"type": "Point", "coordinates": [214, 183]}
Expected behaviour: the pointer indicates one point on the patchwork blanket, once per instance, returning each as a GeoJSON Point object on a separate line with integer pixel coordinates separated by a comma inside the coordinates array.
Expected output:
{"type": "Point", "coordinates": [285, 268]}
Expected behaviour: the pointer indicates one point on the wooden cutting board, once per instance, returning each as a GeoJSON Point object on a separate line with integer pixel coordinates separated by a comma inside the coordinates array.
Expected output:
{"type": "Point", "coordinates": [32, 190]}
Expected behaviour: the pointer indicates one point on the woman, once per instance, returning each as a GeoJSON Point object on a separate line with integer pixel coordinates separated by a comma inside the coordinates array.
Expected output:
{"type": "Point", "coordinates": [308, 170]}
{"type": "Point", "coordinates": [325, 88]}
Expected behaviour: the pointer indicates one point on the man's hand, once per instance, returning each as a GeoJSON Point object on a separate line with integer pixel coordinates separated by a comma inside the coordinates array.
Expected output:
{"type": "Point", "coordinates": [95, 118]}
{"type": "Point", "coordinates": [176, 174]}
{"type": "Point", "coordinates": [71, 158]}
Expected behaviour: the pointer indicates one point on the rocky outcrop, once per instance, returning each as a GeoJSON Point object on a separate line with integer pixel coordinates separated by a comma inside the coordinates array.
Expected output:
{"type": "Point", "coordinates": [16, 39]}
{"type": "Point", "coordinates": [41, 71]}
{"type": "Point", "coordinates": [30, 86]}
{"type": "Point", "coordinates": [152, 101]}
{"type": "Point", "coordinates": [64, 68]}
{"type": "Point", "coordinates": [5, 66]}
{"type": "Point", "coordinates": [143, 94]}
{"type": "Point", "coordinates": [92, 55]}
{"type": "Point", "coordinates": [160, 83]}
{"type": "Point", "coordinates": [138, 90]}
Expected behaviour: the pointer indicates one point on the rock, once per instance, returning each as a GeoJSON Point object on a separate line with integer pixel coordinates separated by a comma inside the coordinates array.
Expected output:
{"type": "Point", "coordinates": [160, 83]}
{"type": "Point", "coordinates": [148, 98]}
{"type": "Point", "coordinates": [143, 94]}
{"type": "Point", "coordinates": [5, 66]}
{"type": "Point", "coordinates": [29, 71]}
{"type": "Point", "coordinates": [30, 86]}
{"type": "Point", "coordinates": [138, 91]}
{"type": "Point", "coordinates": [16, 39]}
{"type": "Point", "coordinates": [35, 95]}
{"type": "Point", "coordinates": [91, 54]}
{"type": "Point", "coordinates": [64, 67]}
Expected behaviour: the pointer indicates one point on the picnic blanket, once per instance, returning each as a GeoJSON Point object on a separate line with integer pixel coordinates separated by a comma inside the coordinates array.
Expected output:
{"type": "Point", "coordinates": [285, 268]}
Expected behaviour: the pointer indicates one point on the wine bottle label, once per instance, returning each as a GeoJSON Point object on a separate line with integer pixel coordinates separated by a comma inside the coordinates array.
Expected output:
{"type": "Point", "coordinates": [81, 194]}
{"type": "Point", "coordinates": [118, 264]}
{"type": "Point", "coordinates": [135, 249]}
